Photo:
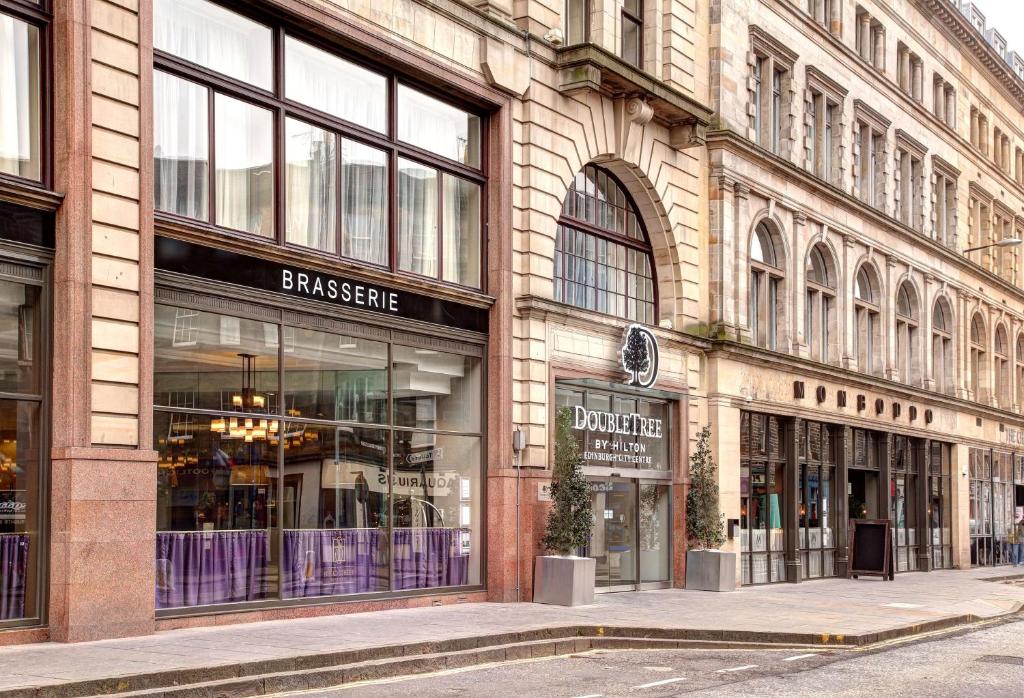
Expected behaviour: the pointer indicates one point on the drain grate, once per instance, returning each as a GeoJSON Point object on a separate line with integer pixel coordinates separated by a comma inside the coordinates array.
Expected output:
{"type": "Point", "coordinates": [1002, 659]}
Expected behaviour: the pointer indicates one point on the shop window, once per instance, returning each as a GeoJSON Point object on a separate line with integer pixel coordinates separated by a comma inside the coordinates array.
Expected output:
{"type": "Point", "coordinates": [907, 343]}
{"type": "Point", "coordinates": [903, 503]}
{"type": "Point", "coordinates": [363, 499]}
{"type": "Point", "coordinates": [979, 359]}
{"type": "Point", "coordinates": [1001, 367]}
{"type": "Point", "coordinates": [867, 336]}
{"type": "Point", "coordinates": [942, 347]}
{"type": "Point", "coordinates": [370, 170]}
{"type": "Point", "coordinates": [21, 96]}
{"type": "Point", "coordinates": [817, 500]}
{"type": "Point", "coordinates": [633, 32]}
{"type": "Point", "coordinates": [765, 292]}
{"type": "Point", "coordinates": [603, 258]}
{"type": "Point", "coordinates": [762, 498]}
{"type": "Point", "coordinates": [940, 514]}
{"type": "Point", "coordinates": [820, 313]}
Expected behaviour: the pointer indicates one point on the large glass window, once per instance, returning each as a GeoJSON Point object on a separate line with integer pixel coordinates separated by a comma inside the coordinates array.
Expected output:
{"type": "Point", "coordinates": [940, 514]}
{"type": "Point", "coordinates": [907, 350]}
{"type": "Point", "coordinates": [602, 254]}
{"type": "Point", "coordinates": [820, 313]}
{"type": "Point", "coordinates": [766, 277]}
{"type": "Point", "coordinates": [817, 499]}
{"type": "Point", "coordinates": [21, 450]}
{"type": "Point", "coordinates": [633, 32]}
{"type": "Point", "coordinates": [762, 497]}
{"type": "Point", "coordinates": [20, 98]}
{"type": "Point", "coordinates": [357, 144]}
{"type": "Point", "coordinates": [867, 335]}
{"type": "Point", "coordinates": [942, 346]}
{"type": "Point", "coordinates": [903, 502]}
{"type": "Point", "coordinates": [296, 463]}
{"type": "Point", "coordinates": [978, 359]}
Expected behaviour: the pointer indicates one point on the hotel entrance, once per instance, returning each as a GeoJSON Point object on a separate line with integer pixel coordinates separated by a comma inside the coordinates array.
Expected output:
{"type": "Point", "coordinates": [625, 443]}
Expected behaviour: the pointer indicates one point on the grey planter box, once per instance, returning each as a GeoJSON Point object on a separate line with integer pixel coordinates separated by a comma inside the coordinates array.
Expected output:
{"type": "Point", "coordinates": [564, 581]}
{"type": "Point", "coordinates": [710, 570]}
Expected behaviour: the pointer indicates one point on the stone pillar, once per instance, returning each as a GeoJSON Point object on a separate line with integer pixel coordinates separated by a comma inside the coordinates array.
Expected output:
{"type": "Point", "coordinates": [878, 46]}
{"type": "Point", "coordinates": [950, 106]}
{"type": "Point", "coordinates": [724, 239]}
{"type": "Point", "coordinates": [927, 301]}
{"type": "Point", "coordinates": [799, 285]}
{"type": "Point", "coordinates": [835, 21]}
{"type": "Point", "coordinates": [975, 128]}
{"type": "Point", "coordinates": [844, 456]}
{"type": "Point", "coordinates": [740, 262]}
{"type": "Point", "coordinates": [1006, 153]}
{"type": "Point", "coordinates": [888, 315]}
{"type": "Point", "coordinates": [865, 36]}
{"type": "Point", "coordinates": [791, 509]}
{"type": "Point", "coordinates": [725, 449]}
{"type": "Point", "coordinates": [983, 132]}
{"type": "Point", "coordinates": [884, 453]}
{"type": "Point", "coordinates": [939, 100]}
{"type": "Point", "coordinates": [819, 11]}
{"type": "Point", "coordinates": [103, 474]}
{"type": "Point", "coordinates": [904, 59]}
{"type": "Point", "coordinates": [960, 509]}
{"type": "Point", "coordinates": [847, 321]}
{"type": "Point", "coordinates": [923, 457]}
{"type": "Point", "coordinates": [918, 80]}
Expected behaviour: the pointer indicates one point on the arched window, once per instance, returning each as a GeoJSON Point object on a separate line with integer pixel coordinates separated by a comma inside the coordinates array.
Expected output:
{"type": "Point", "coordinates": [1019, 359]}
{"type": "Point", "coordinates": [765, 288]}
{"type": "Point", "coordinates": [942, 347]}
{"type": "Point", "coordinates": [602, 254]}
{"type": "Point", "coordinates": [907, 350]}
{"type": "Point", "coordinates": [819, 315]}
{"type": "Point", "coordinates": [979, 361]}
{"type": "Point", "coordinates": [867, 326]}
{"type": "Point", "coordinates": [1001, 367]}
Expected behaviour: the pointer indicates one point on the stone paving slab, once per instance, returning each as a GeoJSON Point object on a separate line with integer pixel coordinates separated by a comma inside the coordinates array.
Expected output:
{"type": "Point", "coordinates": [822, 607]}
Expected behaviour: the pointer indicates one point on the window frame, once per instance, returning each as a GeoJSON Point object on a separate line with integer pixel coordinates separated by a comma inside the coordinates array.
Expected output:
{"type": "Point", "coordinates": [942, 348]}
{"type": "Point", "coordinates": [820, 310]}
{"type": "Point", "coordinates": [978, 357]}
{"type": "Point", "coordinates": [571, 222]}
{"type": "Point", "coordinates": [870, 311]}
{"type": "Point", "coordinates": [636, 18]}
{"type": "Point", "coordinates": [40, 15]}
{"type": "Point", "coordinates": [764, 292]}
{"type": "Point", "coordinates": [907, 334]}
{"type": "Point", "coordinates": [826, 98]}
{"type": "Point", "coordinates": [388, 142]}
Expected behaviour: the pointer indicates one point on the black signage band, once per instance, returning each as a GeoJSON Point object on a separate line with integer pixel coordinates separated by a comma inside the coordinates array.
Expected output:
{"type": "Point", "coordinates": [254, 272]}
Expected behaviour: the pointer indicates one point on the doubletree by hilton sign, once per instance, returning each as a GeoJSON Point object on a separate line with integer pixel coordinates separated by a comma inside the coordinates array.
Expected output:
{"type": "Point", "coordinates": [265, 275]}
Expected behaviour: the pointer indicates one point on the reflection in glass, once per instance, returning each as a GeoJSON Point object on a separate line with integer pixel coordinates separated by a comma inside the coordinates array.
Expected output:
{"type": "Point", "coordinates": [215, 38]}
{"type": "Point", "coordinates": [19, 98]}
{"type": "Point", "coordinates": [342, 89]}
{"type": "Point", "coordinates": [613, 538]}
{"type": "Point", "coordinates": [437, 510]}
{"type": "Point", "coordinates": [244, 157]}
{"type": "Point", "coordinates": [200, 362]}
{"type": "Point", "coordinates": [365, 202]}
{"type": "Point", "coordinates": [461, 231]}
{"type": "Point", "coordinates": [216, 501]}
{"type": "Point", "coordinates": [335, 507]}
{"type": "Point", "coordinates": [311, 185]}
{"type": "Point", "coordinates": [655, 532]}
{"type": "Point", "coordinates": [19, 337]}
{"type": "Point", "coordinates": [181, 152]}
{"type": "Point", "coordinates": [337, 378]}
{"type": "Point", "coordinates": [438, 127]}
{"type": "Point", "coordinates": [436, 390]}
{"type": "Point", "coordinates": [19, 508]}
{"type": "Point", "coordinates": [417, 218]}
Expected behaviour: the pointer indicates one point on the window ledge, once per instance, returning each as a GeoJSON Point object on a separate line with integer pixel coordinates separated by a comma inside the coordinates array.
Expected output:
{"type": "Point", "coordinates": [583, 67]}
{"type": "Point", "coordinates": [29, 195]}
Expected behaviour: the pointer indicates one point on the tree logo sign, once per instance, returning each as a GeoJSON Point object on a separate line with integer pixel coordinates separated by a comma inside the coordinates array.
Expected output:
{"type": "Point", "coordinates": [640, 356]}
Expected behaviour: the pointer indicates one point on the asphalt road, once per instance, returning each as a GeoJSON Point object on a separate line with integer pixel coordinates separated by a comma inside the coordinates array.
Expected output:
{"type": "Point", "coordinates": [986, 662]}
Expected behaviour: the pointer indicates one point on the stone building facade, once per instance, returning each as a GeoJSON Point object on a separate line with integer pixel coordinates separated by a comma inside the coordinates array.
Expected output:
{"type": "Point", "coordinates": [867, 357]}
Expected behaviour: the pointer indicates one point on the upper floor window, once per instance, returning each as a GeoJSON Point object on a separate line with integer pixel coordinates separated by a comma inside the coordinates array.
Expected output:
{"type": "Point", "coordinates": [944, 101]}
{"type": "Point", "coordinates": [1001, 367]}
{"type": "Point", "coordinates": [869, 165]}
{"type": "Point", "coordinates": [869, 36]}
{"type": "Point", "coordinates": [602, 253]}
{"type": "Point", "coordinates": [978, 359]}
{"type": "Point", "coordinates": [867, 336]}
{"type": "Point", "coordinates": [911, 72]}
{"type": "Point", "coordinates": [820, 313]}
{"type": "Point", "coordinates": [1019, 369]}
{"type": "Point", "coordinates": [907, 348]}
{"type": "Point", "coordinates": [910, 193]}
{"type": "Point", "coordinates": [827, 13]}
{"type": "Point", "coordinates": [633, 32]}
{"type": "Point", "coordinates": [576, 22]}
{"type": "Point", "coordinates": [370, 169]}
{"type": "Point", "coordinates": [21, 97]}
{"type": "Point", "coordinates": [942, 346]}
{"type": "Point", "coordinates": [771, 80]}
{"type": "Point", "coordinates": [765, 288]}
{"type": "Point", "coordinates": [944, 205]}
{"type": "Point", "coordinates": [824, 109]}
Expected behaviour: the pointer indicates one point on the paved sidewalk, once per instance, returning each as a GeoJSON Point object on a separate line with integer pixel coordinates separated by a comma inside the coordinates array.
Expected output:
{"type": "Point", "coordinates": [833, 607]}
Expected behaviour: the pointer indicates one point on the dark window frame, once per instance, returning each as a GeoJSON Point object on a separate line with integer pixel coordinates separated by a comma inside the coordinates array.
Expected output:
{"type": "Point", "coordinates": [636, 18]}
{"type": "Point", "coordinates": [572, 222]}
{"type": "Point", "coordinates": [40, 15]}
{"type": "Point", "coordinates": [282, 108]}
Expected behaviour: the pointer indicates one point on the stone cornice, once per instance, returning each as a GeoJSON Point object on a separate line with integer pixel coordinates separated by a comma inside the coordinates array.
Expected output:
{"type": "Point", "coordinates": [964, 32]}
{"type": "Point", "coordinates": [741, 146]}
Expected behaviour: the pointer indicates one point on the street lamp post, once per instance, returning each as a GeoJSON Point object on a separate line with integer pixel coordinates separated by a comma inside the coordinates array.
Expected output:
{"type": "Point", "coordinates": [1008, 242]}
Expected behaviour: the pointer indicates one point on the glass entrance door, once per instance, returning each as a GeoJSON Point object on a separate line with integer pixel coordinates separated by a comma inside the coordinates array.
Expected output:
{"type": "Point", "coordinates": [631, 538]}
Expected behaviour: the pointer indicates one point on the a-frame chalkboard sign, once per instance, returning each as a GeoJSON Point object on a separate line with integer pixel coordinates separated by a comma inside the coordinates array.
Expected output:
{"type": "Point", "coordinates": [871, 548]}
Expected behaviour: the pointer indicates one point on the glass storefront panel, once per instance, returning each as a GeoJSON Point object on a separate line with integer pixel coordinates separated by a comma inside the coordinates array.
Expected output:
{"type": "Point", "coordinates": [655, 533]}
{"type": "Point", "coordinates": [20, 103]}
{"type": "Point", "coordinates": [817, 501]}
{"type": "Point", "coordinates": [363, 507]}
{"type": "Point", "coordinates": [613, 539]}
{"type": "Point", "coordinates": [762, 498]}
{"type": "Point", "coordinates": [939, 507]}
{"type": "Point", "coordinates": [20, 508]}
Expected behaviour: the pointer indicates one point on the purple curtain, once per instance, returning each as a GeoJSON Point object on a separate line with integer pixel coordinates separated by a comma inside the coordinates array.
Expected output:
{"type": "Point", "coordinates": [320, 562]}
{"type": "Point", "coordinates": [13, 572]}
{"type": "Point", "coordinates": [430, 557]}
{"type": "Point", "coordinates": [209, 567]}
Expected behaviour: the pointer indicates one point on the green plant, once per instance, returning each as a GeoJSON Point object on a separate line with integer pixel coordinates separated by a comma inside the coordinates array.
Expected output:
{"type": "Point", "coordinates": [704, 522]}
{"type": "Point", "coordinates": [569, 520]}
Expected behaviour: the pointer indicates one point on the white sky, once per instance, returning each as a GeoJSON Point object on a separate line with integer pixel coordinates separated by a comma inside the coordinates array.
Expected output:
{"type": "Point", "coordinates": [1007, 16]}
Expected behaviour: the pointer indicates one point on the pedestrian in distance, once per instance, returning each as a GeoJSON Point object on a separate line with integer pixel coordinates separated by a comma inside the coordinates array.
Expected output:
{"type": "Point", "coordinates": [1016, 541]}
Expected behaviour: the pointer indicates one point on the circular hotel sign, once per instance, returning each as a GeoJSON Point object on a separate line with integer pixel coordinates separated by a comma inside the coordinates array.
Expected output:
{"type": "Point", "coordinates": [639, 356]}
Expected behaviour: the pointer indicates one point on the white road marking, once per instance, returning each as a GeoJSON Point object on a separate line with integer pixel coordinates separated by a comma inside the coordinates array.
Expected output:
{"type": "Point", "coordinates": [800, 656]}
{"type": "Point", "coordinates": [652, 684]}
{"type": "Point", "coordinates": [590, 695]}
{"type": "Point", "coordinates": [738, 668]}
{"type": "Point", "coordinates": [658, 668]}
{"type": "Point", "coordinates": [901, 605]}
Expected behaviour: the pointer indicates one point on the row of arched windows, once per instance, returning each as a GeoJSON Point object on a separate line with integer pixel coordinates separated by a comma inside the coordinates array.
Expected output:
{"type": "Point", "coordinates": [988, 376]}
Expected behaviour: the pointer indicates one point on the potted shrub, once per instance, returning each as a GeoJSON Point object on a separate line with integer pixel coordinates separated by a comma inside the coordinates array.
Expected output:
{"type": "Point", "coordinates": [707, 567]}
{"type": "Point", "coordinates": [563, 578]}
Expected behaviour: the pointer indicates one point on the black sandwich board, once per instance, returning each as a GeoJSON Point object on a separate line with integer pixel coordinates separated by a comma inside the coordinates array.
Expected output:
{"type": "Point", "coordinates": [871, 548]}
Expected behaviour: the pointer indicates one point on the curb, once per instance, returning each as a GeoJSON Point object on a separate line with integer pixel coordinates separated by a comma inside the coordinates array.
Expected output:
{"type": "Point", "coordinates": [324, 670]}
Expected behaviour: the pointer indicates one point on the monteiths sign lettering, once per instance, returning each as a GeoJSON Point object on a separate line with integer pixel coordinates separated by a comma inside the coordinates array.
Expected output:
{"type": "Point", "coordinates": [222, 266]}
